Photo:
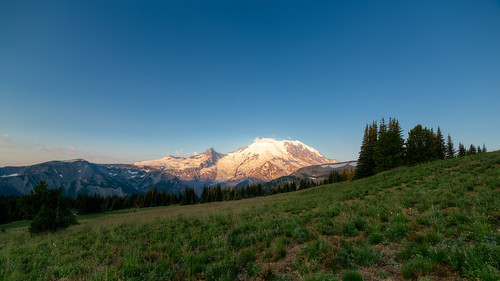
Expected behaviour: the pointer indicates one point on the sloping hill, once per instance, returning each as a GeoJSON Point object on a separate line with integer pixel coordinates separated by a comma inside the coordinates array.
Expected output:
{"type": "Point", "coordinates": [438, 220]}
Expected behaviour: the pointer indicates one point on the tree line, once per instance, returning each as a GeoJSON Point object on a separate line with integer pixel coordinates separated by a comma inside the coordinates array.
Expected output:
{"type": "Point", "coordinates": [383, 147]}
{"type": "Point", "coordinates": [50, 211]}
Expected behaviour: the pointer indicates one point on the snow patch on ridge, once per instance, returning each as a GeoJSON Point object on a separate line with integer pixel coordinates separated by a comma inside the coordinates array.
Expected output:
{"type": "Point", "coordinates": [11, 175]}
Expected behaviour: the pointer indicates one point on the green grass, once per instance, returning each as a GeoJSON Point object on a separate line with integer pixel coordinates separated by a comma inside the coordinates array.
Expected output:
{"type": "Point", "coordinates": [431, 221]}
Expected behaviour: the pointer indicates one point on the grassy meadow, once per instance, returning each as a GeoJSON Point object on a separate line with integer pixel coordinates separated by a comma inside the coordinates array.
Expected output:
{"type": "Point", "coordinates": [434, 221]}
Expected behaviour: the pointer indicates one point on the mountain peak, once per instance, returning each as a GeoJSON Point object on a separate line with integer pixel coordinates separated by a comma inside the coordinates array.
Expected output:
{"type": "Point", "coordinates": [264, 140]}
{"type": "Point", "coordinates": [210, 151]}
{"type": "Point", "coordinates": [264, 159]}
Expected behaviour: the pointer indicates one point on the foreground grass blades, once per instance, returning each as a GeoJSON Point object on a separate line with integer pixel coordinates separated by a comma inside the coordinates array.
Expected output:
{"type": "Point", "coordinates": [439, 220]}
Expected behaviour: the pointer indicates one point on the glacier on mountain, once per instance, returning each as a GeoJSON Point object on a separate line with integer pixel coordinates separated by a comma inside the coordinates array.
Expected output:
{"type": "Point", "coordinates": [265, 159]}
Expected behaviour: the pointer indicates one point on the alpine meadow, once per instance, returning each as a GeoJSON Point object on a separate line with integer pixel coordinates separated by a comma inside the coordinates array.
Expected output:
{"type": "Point", "coordinates": [432, 221]}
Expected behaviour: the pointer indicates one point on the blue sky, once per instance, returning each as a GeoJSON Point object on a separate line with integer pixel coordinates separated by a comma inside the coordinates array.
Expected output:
{"type": "Point", "coordinates": [124, 81]}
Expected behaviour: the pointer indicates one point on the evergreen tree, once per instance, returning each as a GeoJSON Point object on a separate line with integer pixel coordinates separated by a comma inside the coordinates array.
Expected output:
{"type": "Point", "coordinates": [382, 129]}
{"type": "Point", "coordinates": [204, 195]}
{"type": "Point", "coordinates": [472, 150]}
{"type": "Point", "coordinates": [439, 144]}
{"type": "Point", "coordinates": [302, 184]}
{"type": "Point", "coordinates": [484, 148]}
{"type": "Point", "coordinates": [450, 150]}
{"type": "Point", "coordinates": [461, 150]}
{"type": "Point", "coordinates": [218, 193]}
{"type": "Point", "coordinates": [366, 162]}
{"type": "Point", "coordinates": [154, 200]}
{"type": "Point", "coordinates": [148, 198]}
{"type": "Point", "coordinates": [50, 209]}
{"type": "Point", "coordinates": [420, 145]}
{"type": "Point", "coordinates": [388, 150]}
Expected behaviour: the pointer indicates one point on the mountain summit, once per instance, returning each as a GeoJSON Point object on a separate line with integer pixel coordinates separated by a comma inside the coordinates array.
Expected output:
{"type": "Point", "coordinates": [265, 159]}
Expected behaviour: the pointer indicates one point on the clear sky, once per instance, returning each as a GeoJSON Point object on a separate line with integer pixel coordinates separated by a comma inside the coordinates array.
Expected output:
{"type": "Point", "coordinates": [124, 81]}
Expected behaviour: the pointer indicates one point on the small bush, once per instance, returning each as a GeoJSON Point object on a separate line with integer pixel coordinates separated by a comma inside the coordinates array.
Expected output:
{"type": "Point", "coordinates": [302, 234]}
{"type": "Point", "coordinates": [245, 256]}
{"type": "Point", "coordinates": [415, 267]}
{"type": "Point", "coordinates": [278, 250]}
{"type": "Point", "coordinates": [349, 229]}
{"type": "Point", "coordinates": [376, 238]}
{"type": "Point", "coordinates": [383, 274]}
{"type": "Point", "coordinates": [333, 211]}
{"type": "Point", "coordinates": [397, 230]}
{"type": "Point", "coordinates": [360, 224]}
{"type": "Point", "coordinates": [224, 270]}
{"type": "Point", "coordinates": [352, 276]}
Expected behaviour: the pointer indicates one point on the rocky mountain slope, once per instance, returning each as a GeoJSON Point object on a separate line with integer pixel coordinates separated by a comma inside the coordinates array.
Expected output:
{"type": "Point", "coordinates": [265, 159]}
{"type": "Point", "coordinates": [80, 176]}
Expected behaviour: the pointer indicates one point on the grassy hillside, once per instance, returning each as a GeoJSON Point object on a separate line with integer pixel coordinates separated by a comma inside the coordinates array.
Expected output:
{"type": "Point", "coordinates": [436, 221]}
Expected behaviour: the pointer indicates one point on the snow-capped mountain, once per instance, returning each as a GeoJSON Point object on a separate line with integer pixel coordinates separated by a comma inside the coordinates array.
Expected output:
{"type": "Point", "coordinates": [192, 168]}
{"type": "Point", "coordinates": [265, 159]}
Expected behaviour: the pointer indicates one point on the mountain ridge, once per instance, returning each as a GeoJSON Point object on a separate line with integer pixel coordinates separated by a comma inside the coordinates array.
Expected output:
{"type": "Point", "coordinates": [80, 176]}
{"type": "Point", "coordinates": [265, 159]}
{"type": "Point", "coordinates": [262, 161]}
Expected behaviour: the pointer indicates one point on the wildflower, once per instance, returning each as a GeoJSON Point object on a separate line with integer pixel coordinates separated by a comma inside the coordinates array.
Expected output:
{"type": "Point", "coordinates": [491, 240]}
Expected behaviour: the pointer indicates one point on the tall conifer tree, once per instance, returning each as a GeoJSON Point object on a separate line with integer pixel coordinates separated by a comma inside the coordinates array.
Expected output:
{"type": "Point", "coordinates": [439, 144]}
{"type": "Point", "coordinates": [450, 150]}
{"type": "Point", "coordinates": [472, 150]}
{"type": "Point", "coordinates": [461, 150]}
{"type": "Point", "coordinates": [366, 163]}
{"type": "Point", "coordinates": [389, 147]}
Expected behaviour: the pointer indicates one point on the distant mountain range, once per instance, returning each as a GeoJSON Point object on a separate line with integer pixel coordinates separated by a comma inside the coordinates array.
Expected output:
{"type": "Point", "coordinates": [264, 160]}
{"type": "Point", "coordinates": [79, 176]}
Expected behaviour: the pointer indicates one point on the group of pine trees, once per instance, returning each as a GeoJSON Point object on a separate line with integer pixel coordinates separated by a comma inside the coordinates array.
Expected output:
{"type": "Point", "coordinates": [47, 209]}
{"type": "Point", "coordinates": [94, 203]}
{"type": "Point", "coordinates": [383, 147]}
{"type": "Point", "coordinates": [218, 193]}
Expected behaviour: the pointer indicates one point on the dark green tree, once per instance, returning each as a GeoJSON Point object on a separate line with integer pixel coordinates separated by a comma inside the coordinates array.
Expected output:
{"type": "Point", "coordinates": [472, 150]}
{"type": "Point", "coordinates": [218, 193]}
{"type": "Point", "coordinates": [204, 195]}
{"type": "Point", "coordinates": [51, 210]}
{"type": "Point", "coordinates": [439, 144]}
{"type": "Point", "coordinates": [461, 150]}
{"type": "Point", "coordinates": [366, 161]}
{"type": "Point", "coordinates": [388, 150]}
{"type": "Point", "coordinates": [450, 150]}
{"type": "Point", "coordinates": [420, 145]}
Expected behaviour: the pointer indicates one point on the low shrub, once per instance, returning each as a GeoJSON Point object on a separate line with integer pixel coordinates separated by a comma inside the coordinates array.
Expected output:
{"type": "Point", "coordinates": [352, 276]}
